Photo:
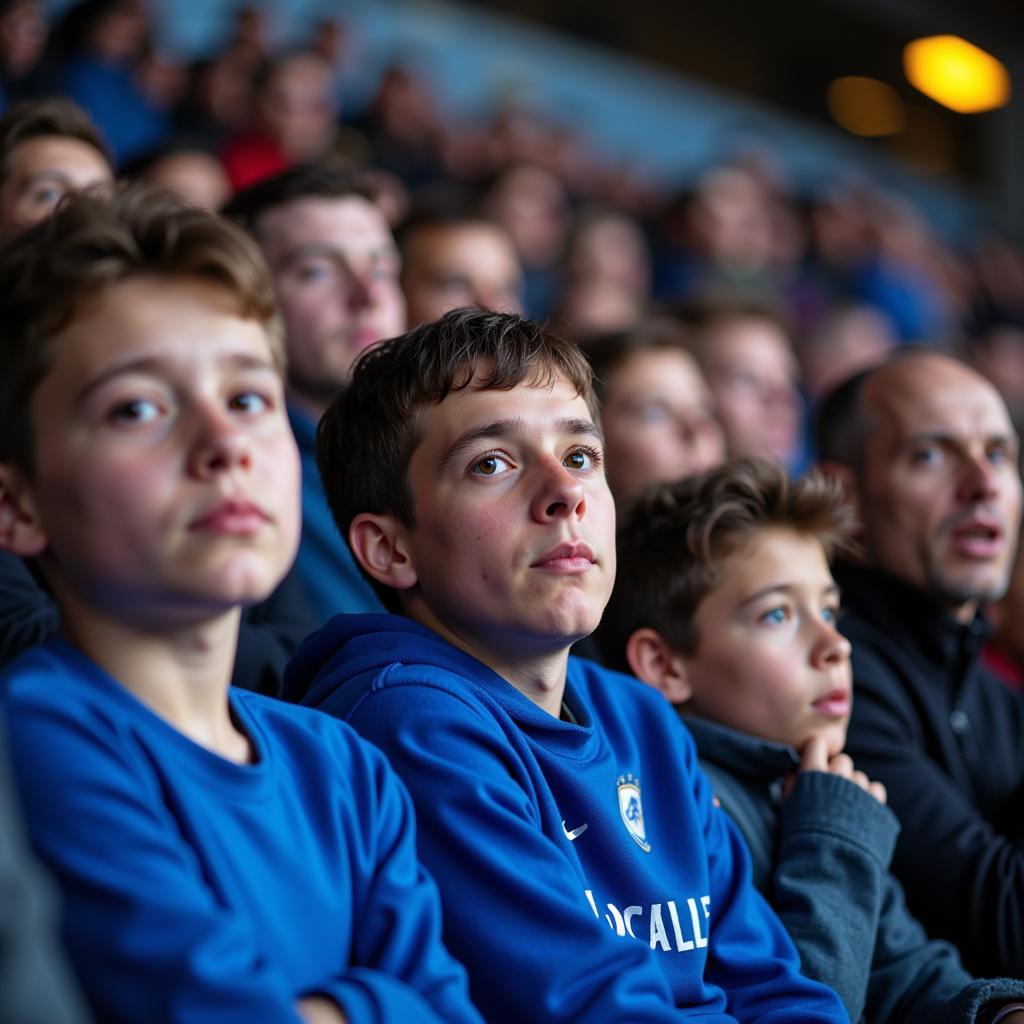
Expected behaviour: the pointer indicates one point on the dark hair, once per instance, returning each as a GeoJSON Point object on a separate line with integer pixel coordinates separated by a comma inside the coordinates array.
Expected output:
{"type": "Point", "coordinates": [92, 241]}
{"type": "Point", "coordinates": [707, 312]}
{"type": "Point", "coordinates": [443, 205]}
{"type": "Point", "coordinates": [330, 178]}
{"type": "Point", "coordinates": [675, 540]}
{"type": "Point", "coordinates": [35, 119]}
{"type": "Point", "coordinates": [368, 434]}
{"type": "Point", "coordinates": [608, 352]}
{"type": "Point", "coordinates": [841, 423]}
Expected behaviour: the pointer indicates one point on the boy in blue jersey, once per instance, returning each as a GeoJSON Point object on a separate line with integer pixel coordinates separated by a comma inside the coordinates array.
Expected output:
{"type": "Point", "coordinates": [222, 856]}
{"type": "Point", "coordinates": [585, 872]}
{"type": "Point", "coordinates": [725, 603]}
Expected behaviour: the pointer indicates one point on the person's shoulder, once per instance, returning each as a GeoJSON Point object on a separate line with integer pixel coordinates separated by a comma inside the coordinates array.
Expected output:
{"type": "Point", "coordinates": [618, 692]}
{"type": "Point", "coordinates": [303, 734]}
{"type": "Point", "coordinates": [619, 701]}
{"type": "Point", "coordinates": [357, 656]}
{"type": "Point", "coordinates": [68, 719]}
{"type": "Point", "coordinates": [50, 675]}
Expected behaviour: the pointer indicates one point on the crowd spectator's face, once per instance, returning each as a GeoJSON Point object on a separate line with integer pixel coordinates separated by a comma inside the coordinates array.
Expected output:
{"type": "Point", "coordinates": [732, 220]}
{"type": "Point", "coordinates": [196, 177]}
{"type": "Point", "coordinates": [41, 171]}
{"type": "Point", "coordinates": [119, 35]}
{"type": "Point", "coordinates": [531, 202]}
{"type": "Point", "coordinates": [166, 480]}
{"type": "Point", "coordinates": [658, 421]}
{"type": "Point", "coordinates": [591, 307]}
{"type": "Point", "coordinates": [513, 548]}
{"type": "Point", "coordinates": [999, 356]}
{"type": "Point", "coordinates": [335, 269]}
{"type": "Point", "coordinates": [940, 492]}
{"type": "Point", "coordinates": [753, 375]}
{"type": "Point", "coordinates": [851, 340]}
{"type": "Point", "coordinates": [769, 660]}
{"type": "Point", "coordinates": [445, 267]}
{"type": "Point", "coordinates": [23, 32]}
{"type": "Point", "coordinates": [297, 107]}
{"type": "Point", "coordinates": [611, 248]}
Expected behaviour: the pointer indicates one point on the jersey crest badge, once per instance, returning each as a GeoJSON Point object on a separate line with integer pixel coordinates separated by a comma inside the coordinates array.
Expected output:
{"type": "Point", "coordinates": [632, 810]}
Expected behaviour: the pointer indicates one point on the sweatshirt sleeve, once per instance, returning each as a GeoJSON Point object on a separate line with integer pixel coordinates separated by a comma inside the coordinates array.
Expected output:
{"type": "Point", "coordinates": [830, 879]}
{"type": "Point", "coordinates": [752, 956]}
{"type": "Point", "coordinates": [514, 906]}
{"type": "Point", "coordinates": [947, 847]}
{"type": "Point", "coordinates": [401, 970]}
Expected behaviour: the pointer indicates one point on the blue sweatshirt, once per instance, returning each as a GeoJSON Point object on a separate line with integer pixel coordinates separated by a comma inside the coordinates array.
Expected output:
{"type": "Point", "coordinates": [586, 874]}
{"type": "Point", "coordinates": [198, 889]}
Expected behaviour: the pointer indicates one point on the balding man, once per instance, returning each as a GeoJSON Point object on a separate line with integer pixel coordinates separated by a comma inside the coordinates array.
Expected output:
{"type": "Point", "coordinates": [927, 451]}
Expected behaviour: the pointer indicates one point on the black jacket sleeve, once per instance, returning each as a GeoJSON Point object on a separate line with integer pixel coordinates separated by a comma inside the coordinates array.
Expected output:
{"type": "Point", "coordinates": [964, 878]}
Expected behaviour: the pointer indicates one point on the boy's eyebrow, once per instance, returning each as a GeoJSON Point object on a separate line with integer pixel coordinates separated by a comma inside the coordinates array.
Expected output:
{"type": "Point", "coordinates": [153, 364]}
{"type": "Point", "coordinates": [514, 425]}
{"type": "Point", "coordinates": [832, 590]}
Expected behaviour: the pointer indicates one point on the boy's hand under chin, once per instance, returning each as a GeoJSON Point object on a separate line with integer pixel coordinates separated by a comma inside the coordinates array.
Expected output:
{"type": "Point", "coordinates": [814, 758]}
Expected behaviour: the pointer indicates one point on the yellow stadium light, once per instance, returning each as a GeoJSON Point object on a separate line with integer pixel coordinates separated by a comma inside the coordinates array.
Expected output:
{"type": "Point", "coordinates": [956, 74]}
{"type": "Point", "coordinates": [865, 106]}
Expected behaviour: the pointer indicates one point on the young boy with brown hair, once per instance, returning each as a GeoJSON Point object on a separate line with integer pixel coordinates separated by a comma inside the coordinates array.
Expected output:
{"type": "Point", "coordinates": [725, 603]}
{"type": "Point", "coordinates": [585, 873]}
{"type": "Point", "coordinates": [222, 856]}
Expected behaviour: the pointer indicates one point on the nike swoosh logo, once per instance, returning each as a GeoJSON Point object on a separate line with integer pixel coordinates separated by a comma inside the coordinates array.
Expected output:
{"type": "Point", "coordinates": [575, 833]}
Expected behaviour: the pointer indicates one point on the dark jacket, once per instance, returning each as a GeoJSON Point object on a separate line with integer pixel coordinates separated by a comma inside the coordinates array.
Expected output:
{"type": "Point", "coordinates": [821, 858]}
{"type": "Point", "coordinates": [947, 740]}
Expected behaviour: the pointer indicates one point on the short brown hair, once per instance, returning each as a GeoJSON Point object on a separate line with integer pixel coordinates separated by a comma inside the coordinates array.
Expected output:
{"type": "Point", "coordinates": [94, 240]}
{"type": "Point", "coordinates": [333, 177]}
{"type": "Point", "coordinates": [674, 542]}
{"type": "Point", "coordinates": [369, 433]}
{"type": "Point", "coordinates": [36, 119]}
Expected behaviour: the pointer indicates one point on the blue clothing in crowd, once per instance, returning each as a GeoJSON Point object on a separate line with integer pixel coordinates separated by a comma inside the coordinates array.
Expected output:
{"type": "Point", "coordinates": [585, 873]}
{"type": "Point", "coordinates": [330, 577]}
{"type": "Point", "coordinates": [198, 889]}
{"type": "Point", "coordinates": [130, 123]}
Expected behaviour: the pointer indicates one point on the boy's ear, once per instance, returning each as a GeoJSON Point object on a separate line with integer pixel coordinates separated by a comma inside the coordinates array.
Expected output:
{"type": "Point", "coordinates": [378, 543]}
{"type": "Point", "coordinates": [21, 533]}
{"type": "Point", "coordinates": [655, 662]}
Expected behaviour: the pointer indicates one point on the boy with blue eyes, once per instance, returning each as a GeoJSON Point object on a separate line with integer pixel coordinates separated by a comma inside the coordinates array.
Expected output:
{"type": "Point", "coordinates": [725, 603]}
{"type": "Point", "coordinates": [586, 875]}
{"type": "Point", "coordinates": [222, 856]}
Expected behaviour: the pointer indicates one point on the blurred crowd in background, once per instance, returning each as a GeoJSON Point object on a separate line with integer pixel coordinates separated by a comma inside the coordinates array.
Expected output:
{"type": "Point", "coordinates": [807, 287]}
